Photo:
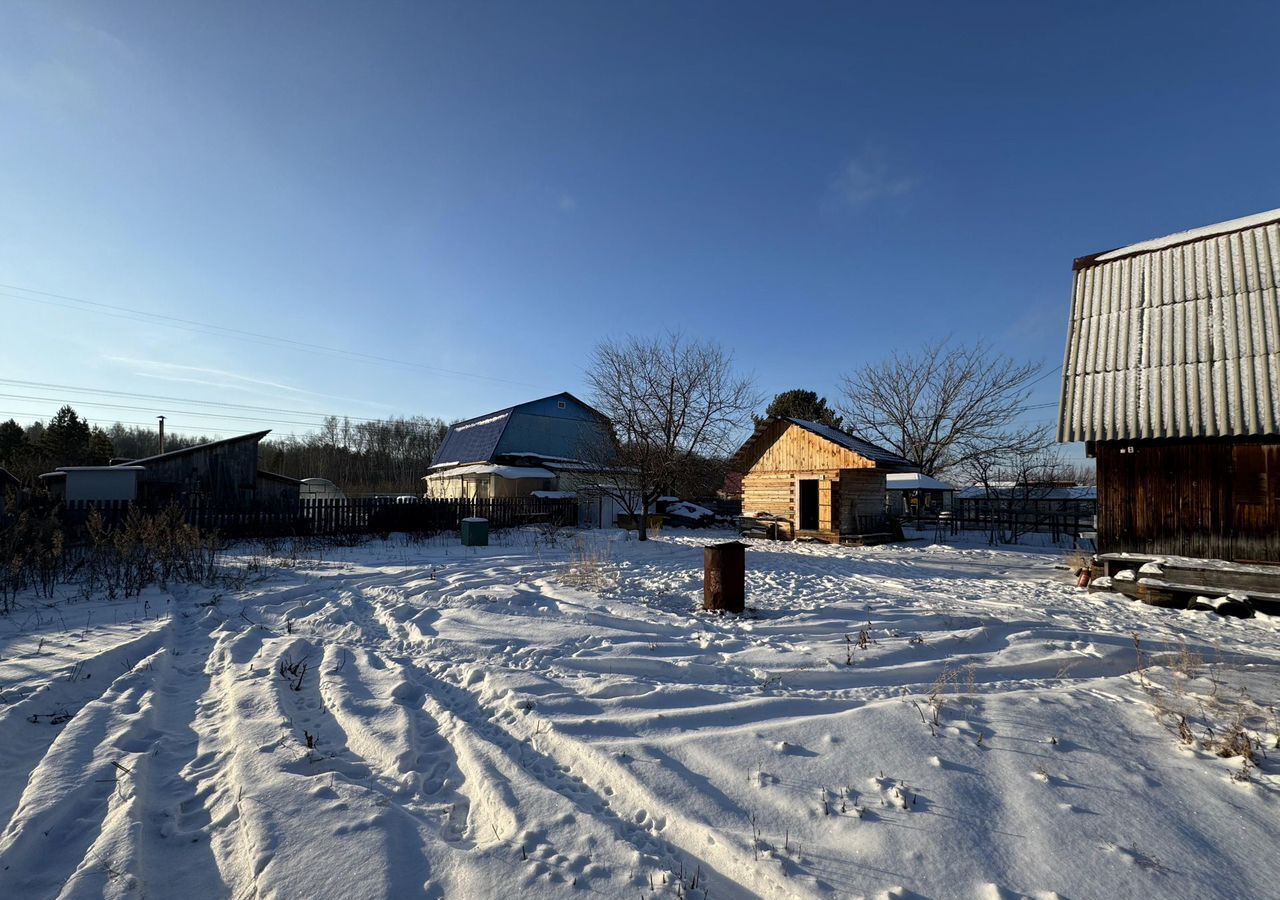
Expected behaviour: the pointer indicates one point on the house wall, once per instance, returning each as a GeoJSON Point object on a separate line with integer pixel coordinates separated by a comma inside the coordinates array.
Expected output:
{"type": "Point", "coordinates": [102, 485]}
{"type": "Point", "coordinates": [862, 493]}
{"type": "Point", "coordinates": [471, 486]}
{"type": "Point", "coordinates": [277, 491]}
{"type": "Point", "coordinates": [223, 473]}
{"type": "Point", "coordinates": [1205, 498]}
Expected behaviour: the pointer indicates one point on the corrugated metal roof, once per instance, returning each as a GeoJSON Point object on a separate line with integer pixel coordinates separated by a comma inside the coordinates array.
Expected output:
{"type": "Point", "coordinates": [1176, 338]}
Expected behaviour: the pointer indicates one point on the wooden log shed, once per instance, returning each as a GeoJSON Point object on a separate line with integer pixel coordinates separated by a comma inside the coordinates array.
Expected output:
{"type": "Point", "coordinates": [1172, 380]}
{"type": "Point", "coordinates": [830, 485]}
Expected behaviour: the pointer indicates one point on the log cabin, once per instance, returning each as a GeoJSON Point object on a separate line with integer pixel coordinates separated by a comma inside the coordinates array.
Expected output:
{"type": "Point", "coordinates": [1172, 381]}
{"type": "Point", "coordinates": [829, 484]}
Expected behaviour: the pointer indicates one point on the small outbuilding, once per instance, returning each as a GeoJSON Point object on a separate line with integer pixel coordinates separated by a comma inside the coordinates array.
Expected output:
{"type": "Point", "coordinates": [93, 484]}
{"type": "Point", "coordinates": [829, 484]}
{"type": "Point", "coordinates": [1172, 381]}
{"type": "Point", "coordinates": [916, 494]}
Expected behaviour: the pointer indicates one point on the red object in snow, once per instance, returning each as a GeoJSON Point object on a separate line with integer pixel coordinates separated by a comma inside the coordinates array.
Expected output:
{"type": "Point", "coordinates": [1085, 576]}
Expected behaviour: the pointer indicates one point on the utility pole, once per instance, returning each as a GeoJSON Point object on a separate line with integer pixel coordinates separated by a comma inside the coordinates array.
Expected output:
{"type": "Point", "coordinates": [161, 418]}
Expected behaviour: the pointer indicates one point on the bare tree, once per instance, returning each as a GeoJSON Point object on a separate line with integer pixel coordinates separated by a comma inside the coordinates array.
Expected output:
{"type": "Point", "coordinates": [674, 403]}
{"type": "Point", "coordinates": [945, 408]}
{"type": "Point", "coordinates": [1013, 485]}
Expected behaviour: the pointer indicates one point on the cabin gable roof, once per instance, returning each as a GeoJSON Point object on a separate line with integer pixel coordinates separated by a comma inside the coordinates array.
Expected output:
{"type": "Point", "coordinates": [785, 444]}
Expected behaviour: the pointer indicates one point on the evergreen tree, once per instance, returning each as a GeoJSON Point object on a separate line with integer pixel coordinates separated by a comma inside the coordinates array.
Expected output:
{"type": "Point", "coordinates": [12, 442]}
{"type": "Point", "coordinates": [100, 448]}
{"type": "Point", "coordinates": [66, 438]}
{"type": "Point", "coordinates": [802, 404]}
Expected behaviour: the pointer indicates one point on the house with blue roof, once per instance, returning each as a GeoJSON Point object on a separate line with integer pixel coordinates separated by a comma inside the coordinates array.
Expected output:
{"type": "Point", "coordinates": [531, 449]}
{"type": "Point", "coordinates": [825, 484]}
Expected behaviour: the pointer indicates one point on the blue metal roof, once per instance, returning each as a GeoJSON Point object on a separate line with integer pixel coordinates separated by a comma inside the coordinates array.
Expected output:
{"type": "Point", "coordinates": [473, 440]}
{"type": "Point", "coordinates": [550, 426]}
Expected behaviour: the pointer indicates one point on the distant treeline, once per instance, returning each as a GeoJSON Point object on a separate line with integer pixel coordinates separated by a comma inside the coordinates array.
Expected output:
{"type": "Point", "coordinates": [386, 456]}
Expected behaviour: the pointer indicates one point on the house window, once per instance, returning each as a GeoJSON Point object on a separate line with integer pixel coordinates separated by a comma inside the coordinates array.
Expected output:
{"type": "Point", "coordinates": [560, 404]}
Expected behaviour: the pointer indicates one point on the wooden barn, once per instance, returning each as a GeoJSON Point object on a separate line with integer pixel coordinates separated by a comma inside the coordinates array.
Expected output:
{"type": "Point", "coordinates": [828, 484]}
{"type": "Point", "coordinates": [1172, 380]}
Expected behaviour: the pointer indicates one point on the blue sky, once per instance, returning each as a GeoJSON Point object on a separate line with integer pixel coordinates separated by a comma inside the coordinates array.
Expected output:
{"type": "Point", "coordinates": [490, 188]}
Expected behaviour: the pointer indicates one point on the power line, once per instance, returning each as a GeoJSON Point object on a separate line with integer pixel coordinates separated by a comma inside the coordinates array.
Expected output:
{"type": "Point", "coordinates": [42, 385]}
{"type": "Point", "coordinates": [45, 385]}
{"type": "Point", "coordinates": [138, 315]}
{"type": "Point", "coordinates": [108, 422]}
{"type": "Point", "coordinates": [168, 411]}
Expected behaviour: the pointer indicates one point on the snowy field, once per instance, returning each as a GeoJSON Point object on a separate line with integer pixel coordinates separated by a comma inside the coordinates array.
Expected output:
{"type": "Point", "coordinates": [525, 720]}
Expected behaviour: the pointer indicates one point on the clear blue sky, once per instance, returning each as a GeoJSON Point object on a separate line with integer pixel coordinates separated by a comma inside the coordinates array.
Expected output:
{"type": "Point", "coordinates": [490, 188]}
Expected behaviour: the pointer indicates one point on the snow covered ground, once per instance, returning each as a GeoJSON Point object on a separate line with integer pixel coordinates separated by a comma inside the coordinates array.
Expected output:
{"type": "Point", "coordinates": [526, 720]}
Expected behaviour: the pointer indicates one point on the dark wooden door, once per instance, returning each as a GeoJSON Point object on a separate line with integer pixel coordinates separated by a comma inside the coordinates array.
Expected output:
{"type": "Point", "coordinates": [808, 504]}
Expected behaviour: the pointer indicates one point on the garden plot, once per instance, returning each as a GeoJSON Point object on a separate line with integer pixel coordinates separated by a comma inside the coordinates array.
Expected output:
{"type": "Point", "coordinates": [540, 719]}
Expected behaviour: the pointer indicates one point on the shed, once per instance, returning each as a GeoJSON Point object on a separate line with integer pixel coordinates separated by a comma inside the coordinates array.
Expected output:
{"type": "Point", "coordinates": [828, 483]}
{"type": "Point", "coordinates": [1172, 380]}
{"type": "Point", "coordinates": [224, 472]}
{"type": "Point", "coordinates": [93, 484]}
{"type": "Point", "coordinates": [916, 494]}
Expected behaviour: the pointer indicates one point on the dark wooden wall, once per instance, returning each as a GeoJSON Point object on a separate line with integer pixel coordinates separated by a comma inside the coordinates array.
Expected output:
{"type": "Point", "coordinates": [1214, 499]}
{"type": "Point", "coordinates": [222, 473]}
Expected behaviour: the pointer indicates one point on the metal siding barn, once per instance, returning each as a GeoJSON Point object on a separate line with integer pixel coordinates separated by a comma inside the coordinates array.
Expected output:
{"type": "Point", "coordinates": [1172, 379]}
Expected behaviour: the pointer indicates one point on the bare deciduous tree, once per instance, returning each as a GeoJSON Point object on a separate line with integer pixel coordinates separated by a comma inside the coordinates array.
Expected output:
{"type": "Point", "coordinates": [674, 404]}
{"type": "Point", "coordinates": [1012, 483]}
{"type": "Point", "coordinates": [944, 408]}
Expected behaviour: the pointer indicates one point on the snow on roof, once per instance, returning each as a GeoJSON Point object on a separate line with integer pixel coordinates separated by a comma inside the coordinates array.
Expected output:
{"type": "Point", "coordinates": [914, 481]}
{"type": "Point", "coordinates": [1186, 237]}
{"type": "Point", "coordinates": [1176, 338]}
{"type": "Point", "coordinates": [1034, 492]}
{"type": "Point", "coordinates": [65, 469]}
{"type": "Point", "coordinates": [491, 469]}
{"type": "Point", "coordinates": [553, 495]}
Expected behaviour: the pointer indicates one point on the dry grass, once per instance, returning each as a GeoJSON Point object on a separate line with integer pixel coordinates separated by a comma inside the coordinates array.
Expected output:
{"type": "Point", "coordinates": [590, 566]}
{"type": "Point", "coordinates": [1077, 560]}
{"type": "Point", "coordinates": [1189, 697]}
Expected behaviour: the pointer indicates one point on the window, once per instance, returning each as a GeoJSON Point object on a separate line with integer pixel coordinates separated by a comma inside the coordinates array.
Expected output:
{"type": "Point", "coordinates": [560, 404]}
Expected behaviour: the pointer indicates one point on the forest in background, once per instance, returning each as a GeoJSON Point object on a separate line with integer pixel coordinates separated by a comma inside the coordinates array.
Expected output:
{"type": "Point", "coordinates": [384, 456]}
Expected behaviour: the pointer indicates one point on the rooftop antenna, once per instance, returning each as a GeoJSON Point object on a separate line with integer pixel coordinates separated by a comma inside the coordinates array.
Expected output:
{"type": "Point", "coordinates": [161, 418]}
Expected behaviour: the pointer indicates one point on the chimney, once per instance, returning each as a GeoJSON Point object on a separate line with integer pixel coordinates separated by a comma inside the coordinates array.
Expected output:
{"type": "Point", "coordinates": [161, 418]}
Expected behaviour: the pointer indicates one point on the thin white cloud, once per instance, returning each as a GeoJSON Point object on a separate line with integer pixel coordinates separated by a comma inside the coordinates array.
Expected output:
{"type": "Point", "coordinates": [220, 378]}
{"type": "Point", "coordinates": [568, 203]}
{"type": "Point", "coordinates": [867, 178]}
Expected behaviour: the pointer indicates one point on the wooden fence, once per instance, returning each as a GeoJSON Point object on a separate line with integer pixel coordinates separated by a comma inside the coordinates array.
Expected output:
{"type": "Point", "coordinates": [1059, 525]}
{"type": "Point", "coordinates": [362, 515]}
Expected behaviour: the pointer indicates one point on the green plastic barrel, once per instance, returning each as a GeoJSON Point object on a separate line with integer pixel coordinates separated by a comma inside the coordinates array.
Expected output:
{"type": "Point", "coordinates": [475, 532]}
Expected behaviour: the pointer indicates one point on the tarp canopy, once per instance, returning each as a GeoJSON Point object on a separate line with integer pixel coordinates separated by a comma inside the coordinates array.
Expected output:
{"type": "Point", "coordinates": [914, 481]}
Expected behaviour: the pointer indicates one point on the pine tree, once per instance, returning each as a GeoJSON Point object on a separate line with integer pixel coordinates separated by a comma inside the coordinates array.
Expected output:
{"type": "Point", "coordinates": [802, 404]}
{"type": "Point", "coordinates": [100, 448]}
{"type": "Point", "coordinates": [12, 442]}
{"type": "Point", "coordinates": [66, 438]}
